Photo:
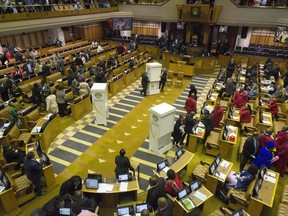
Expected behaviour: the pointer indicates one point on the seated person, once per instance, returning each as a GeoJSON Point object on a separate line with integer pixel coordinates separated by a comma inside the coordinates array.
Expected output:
{"type": "Point", "coordinates": [84, 202]}
{"type": "Point", "coordinates": [173, 183]}
{"type": "Point", "coordinates": [273, 107]}
{"type": "Point", "coordinates": [278, 93]}
{"type": "Point", "coordinates": [156, 190]}
{"type": "Point", "coordinates": [71, 185]}
{"type": "Point", "coordinates": [51, 208]}
{"type": "Point", "coordinates": [243, 180]}
{"type": "Point", "coordinates": [240, 98]}
{"type": "Point", "coordinates": [77, 211]}
{"type": "Point", "coordinates": [165, 207]}
{"type": "Point", "coordinates": [12, 154]}
{"type": "Point", "coordinates": [245, 114]}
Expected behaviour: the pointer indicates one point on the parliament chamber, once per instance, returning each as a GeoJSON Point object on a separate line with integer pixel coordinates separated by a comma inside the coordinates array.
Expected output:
{"type": "Point", "coordinates": [66, 47]}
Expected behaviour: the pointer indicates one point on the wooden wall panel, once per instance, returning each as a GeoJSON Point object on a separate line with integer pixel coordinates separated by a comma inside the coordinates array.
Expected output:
{"type": "Point", "coordinates": [268, 40]}
{"type": "Point", "coordinates": [145, 31]}
{"type": "Point", "coordinates": [39, 38]}
{"type": "Point", "coordinates": [25, 41]}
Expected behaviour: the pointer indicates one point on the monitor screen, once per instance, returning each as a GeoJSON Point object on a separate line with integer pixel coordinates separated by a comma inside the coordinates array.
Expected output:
{"type": "Point", "coordinates": [126, 210]}
{"type": "Point", "coordinates": [239, 212]}
{"type": "Point", "coordinates": [218, 159]}
{"type": "Point", "coordinates": [182, 194]}
{"type": "Point", "coordinates": [122, 24]}
{"type": "Point", "coordinates": [262, 172]}
{"type": "Point", "coordinates": [6, 181]}
{"type": "Point", "coordinates": [140, 207]}
{"type": "Point", "coordinates": [95, 176]}
{"type": "Point", "coordinates": [195, 185]}
{"type": "Point", "coordinates": [162, 165]}
{"type": "Point", "coordinates": [125, 177]}
{"type": "Point", "coordinates": [212, 168]}
{"type": "Point", "coordinates": [281, 34]}
{"type": "Point", "coordinates": [223, 29]}
{"type": "Point", "coordinates": [179, 153]}
{"type": "Point", "coordinates": [64, 211]}
{"type": "Point", "coordinates": [180, 25]}
{"type": "Point", "coordinates": [92, 183]}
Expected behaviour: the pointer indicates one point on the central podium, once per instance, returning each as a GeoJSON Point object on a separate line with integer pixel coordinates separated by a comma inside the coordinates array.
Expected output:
{"type": "Point", "coordinates": [99, 93]}
{"type": "Point", "coordinates": [153, 72]}
{"type": "Point", "coordinates": [162, 119]}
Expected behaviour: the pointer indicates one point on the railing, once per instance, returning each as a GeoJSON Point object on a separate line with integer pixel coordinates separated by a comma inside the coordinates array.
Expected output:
{"type": "Point", "coordinates": [144, 2]}
{"type": "Point", "coordinates": [277, 4]}
{"type": "Point", "coordinates": [20, 12]}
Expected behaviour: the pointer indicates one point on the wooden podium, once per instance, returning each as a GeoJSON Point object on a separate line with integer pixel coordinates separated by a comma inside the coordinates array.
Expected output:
{"type": "Point", "coordinates": [154, 72]}
{"type": "Point", "coordinates": [161, 125]}
{"type": "Point", "coordinates": [99, 93]}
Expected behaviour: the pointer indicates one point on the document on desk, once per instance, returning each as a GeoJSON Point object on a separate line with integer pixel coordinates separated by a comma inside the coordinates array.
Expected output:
{"type": "Point", "coordinates": [47, 117]}
{"type": "Point", "coordinates": [109, 187]}
{"type": "Point", "coordinates": [224, 164]}
{"type": "Point", "coordinates": [123, 186]}
{"type": "Point", "coordinates": [36, 129]}
{"type": "Point", "coordinates": [200, 196]}
{"type": "Point", "coordinates": [271, 174]}
{"type": "Point", "coordinates": [266, 122]}
{"type": "Point", "coordinates": [220, 175]}
{"type": "Point", "coordinates": [102, 187]}
{"type": "Point", "coordinates": [187, 202]}
{"type": "Point", "coordinates": [270, 179]}
{"type": "Point", "coordinates": [166, 169]}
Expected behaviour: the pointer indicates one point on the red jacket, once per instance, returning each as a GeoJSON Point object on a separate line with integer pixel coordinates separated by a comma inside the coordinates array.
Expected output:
{"type": "Point", "coordinates": [240, 99]}
{"type": "Point", "coordinates": [190, 105]}
{"type": "Point", "coordinates": [245, 115]}
{"type": "Point", "coordinates": [273, 108]}
{"type": "Point", "coordinates": [17, 74]}
{"type": "Point", "coordinates": [174, 186]}
{"type": "Point", "coordinates": [281, 138]}
{"type": "Point", "coordinates": [264, 139]}
{"type": "Point", "coordinates": [217, 115]}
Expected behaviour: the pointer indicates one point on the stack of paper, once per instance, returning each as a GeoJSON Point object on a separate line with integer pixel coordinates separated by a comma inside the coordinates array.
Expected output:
{"type": "Point", "coordinates": [270, 179]}
{"type": "Point", "coordinates": [123, 186]}
{"type": "Point", "coordinates": [166, 169]}
{"type": "Point", "coordinates": [102, 187]}
{"type": "Point", "coordinates": [200, 196]}
{"type": "Point", "coordinates": [187, 202]}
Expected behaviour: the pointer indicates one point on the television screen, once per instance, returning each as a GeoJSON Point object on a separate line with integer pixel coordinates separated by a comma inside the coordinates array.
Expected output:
{"type": "Point", "coordinates": [122, 24]}
{"type": "Point", "coordinates": [223, 28]}
{"type": "Point", "coordinates": [180, 25]}
{"type": "Point", "coordinates": [281, 34]}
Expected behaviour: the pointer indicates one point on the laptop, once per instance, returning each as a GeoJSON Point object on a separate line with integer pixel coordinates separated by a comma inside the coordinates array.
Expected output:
{"type": "Point", "coordinates": [195, 185]}
{"type": "Point", "coordinates": [125, 177]}
{"type": "Point", "coordinates": [140, 208]}
{"type": "Point", "coordinates": [125, 211]}
{"type": "Point", "coordinates": [183, 193]}
{"type": "Point", "coordinates": [91, 183]}
{"type": "Point", "coordinates": [95, 176]}
{"type": "Point", "coordinates": [64, 211]}
{"type": "Point", "coordinates": [162, 165]}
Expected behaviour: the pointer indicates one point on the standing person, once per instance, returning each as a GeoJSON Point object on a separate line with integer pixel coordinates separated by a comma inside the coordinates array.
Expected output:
{"type": "Point", "coordinates": [163, 79]}
{"type": "Point", "coordinates": [265, 156]}
{"type": "Point", "coordinates": [250, 149]}
{"type": "Point", "coordinates": [71, 186]}
{"type": "Point", "coordinates": [189, 122]}
{"type": "Point", "coordinates": [230, 86]}
{"type": "Point", "coordinates": [266, 137]}
{"type": "Point", "coordinates": [281, 137]}
{"type": "Point", "coordinates": [240, 98]}
{"type": "Point", "coordinates": [190, 104]}
{"type": "Point", "coordinates": [13, 113]}
{"type": "Point", "coordinates": [45, 89]}
{"type": "Point", "coordinates": [34, 171]}
{"type": "Point", "coordinates": [245, 114]}
{"type": "Point", "coordinates": [230, 68]}
{"type": "Point", "coordinates": [144, 83]}
{"type": "Point", "coordinates": [192, 90]}
{"type": "Point", "coordinates": [283, 159]}
{"type": "Point", "coordinates": [178, 132]}
{"type": "Point", "coordinates": [122, 164]}
{"type": "Point", "coordinates": [217, 114]}
{"type": "Point", "coordinates": [207, 120]}
{"type": "Point", "coordinates": [75, 86]}
{"type": "Point", "coordinates": [61, 101]}
{"type": "Point", "coordinates": [156, 190]}
{"type": "Point", "coordinates": [173, 183]}
{"type": "Point", "coordinates": [36, 94]}
{"type": "Point", "coordinates": [16, 92]}
{"type": "Point", "coordinates": [51, 104]}
{"type": "Point", "coordinates": [4, 91]}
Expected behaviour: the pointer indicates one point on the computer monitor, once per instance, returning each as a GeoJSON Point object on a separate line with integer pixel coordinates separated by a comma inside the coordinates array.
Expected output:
{"type": "Point", "coordinates": [126, 210]}
{"type": "Point", "coordinates": [125, 177]}
{"type": "Point", "coordinates": [95, 176]}
{"type": "Point", "coordinates": [91, 183]}
{"type": "Point", "coordinates": [6, 181]}
{"type": "Point", "coordinates": [141, 207]}
{"type": "Point", "coordinates": [262, 172]}
{"type": "Point", "coordinates": [162, 165]}
{"type": "Point", "coordinates": [179, 153]}
{"type": "Point", "coordinates": [64, 211]}
{"type": "Point", "coordinates": [256, 188]}
{"type": "Point", "coordinates": [212, 168]}
{"type": "Point", "coordinates": [181, 194]}
{"type": "Point", "coordinates": [1, 173]}
{"type": "Point", "coordinates": [218, 160]}
{"type": "Point", "coordinates": [195, 185]}
{"type": "Point", "coordinates": [238, 212]}
{"type": "Point", "coordinates": [2, 186]}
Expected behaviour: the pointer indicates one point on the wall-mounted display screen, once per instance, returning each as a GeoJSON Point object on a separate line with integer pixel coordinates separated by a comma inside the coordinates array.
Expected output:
{"type": "Point", "coordinates": [281, 34]}
{"type": "Point", "coordinates": [122, 24]}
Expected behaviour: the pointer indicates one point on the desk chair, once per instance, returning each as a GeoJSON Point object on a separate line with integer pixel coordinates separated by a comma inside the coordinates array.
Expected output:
{"type": "Point", "coordinates": [212, 146]}
{"type": "Point", "coordinates": [282, 209]}
{"type": "Point", "coordinates": [238, 198]}
{"type": "Point", "coordinates": [19, 137]}
{"type": "Point", "coordinates": [200, 171]}
{"type": "Point", "coordinates": [33, 117]}
{"type": "Point", "coordinates": [222, 211]}
{"type": "Point", "coordinates": [225, 102]}
{"type": "Point", "coordinates": [180, 78]}
{"type": "Point", "coordinates": [249, 128]}
{"type": "Point", "coordinates": [170, 77]}
{"type": "Point", "coordinates": [284, 196]}
{"type": "Point", "coordinates": [9, 168]}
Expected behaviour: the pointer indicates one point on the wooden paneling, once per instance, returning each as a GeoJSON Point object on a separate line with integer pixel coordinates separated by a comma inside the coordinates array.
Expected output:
{"type": "Point", "coordinates": [145, 31]}
{"type": "Point", "coordinates": [267, 40]}
{"type": "Point", "coordinates": [89, 32]}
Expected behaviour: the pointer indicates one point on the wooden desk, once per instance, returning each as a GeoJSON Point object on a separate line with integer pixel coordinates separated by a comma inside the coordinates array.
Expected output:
{"type": "Point", "coordinates": [178, 165]}
{"type": "Point", "coordinates": [225, 145]}
{"type": "Point", "coordinates": [111, 198]}
{"type": "Point", "coordinates": [49, 134]}
{"type": "Point", "coordinates": [67, 47]}
{"type": "Point", "coordinates": [81, 108]}
{"type": "Point", "coordinates": [235, 117]}
{"type": "Point", "coordinates": [180, 210]}
{"type": "Point", "coordinates": [48, 171]}
{"type": "Point", "coordinates": [265, 197]}
{"type": "Point", "coordinates": [212, 181]}
{"type": "Point", "coordinates": [194, 138]}
{"type": "Point", "coordinates": [267, 121]}
{"type": "Point", "coordinates": [212, 100]}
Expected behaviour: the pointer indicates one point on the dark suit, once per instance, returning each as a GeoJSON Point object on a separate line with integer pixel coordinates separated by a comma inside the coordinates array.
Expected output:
{"type": "Point", "coordinates": [144, 83]}
{"type": "Point", "coordinates": [51, 209]}
{"type": "Point", "coordinates": [190, 122]}
{"type": "Point", "coordinates": [11, 155]}
{"type": "Point", "coordinates": [167, 211]}
{"type": "Point", "coordinates": [86, 203]}
{"type": "Point", "coordinates": [155, 192]}
{"type": "Point", "coordinates": [122, 165]}
{"type": "Point", "coordinates": [34, 173]}
{"type": "Point", "coordinates": [208, 122]}
{"type": "Point", "coordinates": [69, 188]}
{"type": "Point", "coordinates": [250, 148]}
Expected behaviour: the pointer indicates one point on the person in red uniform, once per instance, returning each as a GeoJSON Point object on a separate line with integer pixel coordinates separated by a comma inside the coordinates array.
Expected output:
{"type": "Point", "coordinates": [17, 73]}
{"type": "Point", "coordinates": [282, 136]}
{"type": "Point", "coordinates": [245, 114]}
{"type": "Point", "coordinates": [273, 107]}
{"type": "Point", "coordinates": [266, 137]}
{"type": "Point", "coordinates": [217, 114]}
{"type": "Point", "coordinates": [190, 104]}
{"type": "Point", "coordinates": [283, 159]}
{"type": "Point", "coordinates": [173, 183]}
{"type": "Point", "coordinates": [240, 98]}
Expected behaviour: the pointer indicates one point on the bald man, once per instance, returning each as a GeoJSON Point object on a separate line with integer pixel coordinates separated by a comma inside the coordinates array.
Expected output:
{"type": "Point", "coordinates": [145, 212]}
{"type": "Point", "coordinates": [156, 190]}
{"type": "Point", "coordinates": [84, 202]}
{"type": "Point", "coordinates": [165, 207]}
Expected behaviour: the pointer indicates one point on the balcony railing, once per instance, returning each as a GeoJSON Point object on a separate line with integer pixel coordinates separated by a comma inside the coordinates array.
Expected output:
{"type": "Point", "coordinates": [143, 2]}
{"type": "Point", "coordinates": [277, 4]}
